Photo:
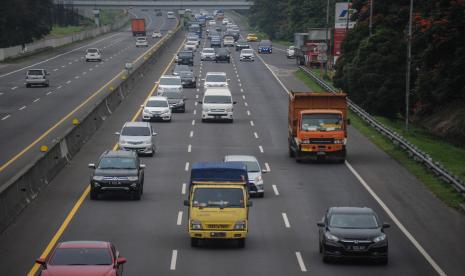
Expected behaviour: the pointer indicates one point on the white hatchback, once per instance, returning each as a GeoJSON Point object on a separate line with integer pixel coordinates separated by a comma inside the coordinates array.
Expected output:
{"type": "Point", "coordinates": [93, 54]}
{"type": "Point", "coordinates": [156, 108]}
{"type": "Point", "coordinates": [142, 41]}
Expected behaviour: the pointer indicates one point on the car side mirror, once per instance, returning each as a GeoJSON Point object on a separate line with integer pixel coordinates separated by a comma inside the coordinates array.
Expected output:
{"type": "Point", "coordinates": [154, 134]}
{"type": "Point", "coordinates": [320, 224]}
{"type": "Point", "coordinates": [91, 165]}
{"type": "Point", "coordinates": [200, 102]}
{"type": "Point", "coordinates": [121, 260]}
{"type": "Point", "coordinates": [249, 203]}
{"type": "Point", "coordinates": [117, 133]}
{"type": "Point", "coordinates": [234, 102]}
{"type": "Point", "coordinates": [386, 225]}
{"type": "Point", "coordinates": [142, 166]}
{"type": "Point", "coordinates": [42, 262]}
{"type": "Point", "coordinates": [348, 121]}
{"type": "Point", "coordinates": [186, 202]}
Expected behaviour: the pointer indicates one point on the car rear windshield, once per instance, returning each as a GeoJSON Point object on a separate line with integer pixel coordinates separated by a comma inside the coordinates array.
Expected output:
{"type": "Point", "coordinates": [185, 55]}
{"type": "Point", "coordinates": [117, 163]}
{"type": "Point", "coordinates": [92, 50]}
{"type": "Point", "coordinates": [35, 72]}
{"type": "Point", "coordinates": [215, 78]}
{"type": "Point", "coordinates": [217, 99]}
{"type": "Point", "coordinates": [135, 131]}
{"type": "Point", "coordinates": [218, 198]}
{"type": "Point", "coordinates": [141, 39]}
{"type": "Point", "coordinates": [157, 104]}
{"type": "Point", "coordinates": [321, 122]}
{"type": "Point", "coordinates": [172, 95]}
{"type": "Point", "coordinates": [170, 81]}
{"type": "Point", "coordinates": [208, 51]}
{"type": "Point", "coordinates": [356, 221]}
{"type": "Point", "coordinates": [81, 256]}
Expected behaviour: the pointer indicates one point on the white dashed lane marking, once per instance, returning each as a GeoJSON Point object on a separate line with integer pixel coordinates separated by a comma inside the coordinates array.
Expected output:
{"type": "Point", "coordinates": [256, 135]}
{"type": "Point", "coordinates": [36, 100]}
{"type": "Point", "coordinates": [275, 189]}
{"type": "Point", "coordinates": [6, 117]}
{"type": "Point", "coordinates": [286, 220]}
{"type": "Point", "coordinates": [21, 108]}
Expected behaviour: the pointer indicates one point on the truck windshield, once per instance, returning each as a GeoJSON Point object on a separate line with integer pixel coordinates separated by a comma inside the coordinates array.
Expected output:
{"type": "Point", "coordinates": [321, 122]}
{"type": "Point", "coordinates": [216, 197]}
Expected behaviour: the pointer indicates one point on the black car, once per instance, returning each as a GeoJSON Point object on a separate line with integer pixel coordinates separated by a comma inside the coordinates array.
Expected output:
{"type": "Point", "coordinates": [117, 171]}
{"type": "Point", "coordinates": [188, 79]}
{"type": "Point", "coordinates": [242, 44]}
{"type": "Point", "coordinates": [352, 232]}
{"type": "Point", "coordinates": [222, 54]}
{"type": "Point", "coordinates": [178, 68]}
{"type": "Point", "coordinates": [176, 100]}
{"type": "Point", "coordinates": [186, 57]}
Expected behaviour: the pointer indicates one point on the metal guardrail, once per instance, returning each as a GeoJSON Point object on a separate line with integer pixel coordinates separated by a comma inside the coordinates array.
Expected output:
{"type": "Point", "coordinates": [412, 150]}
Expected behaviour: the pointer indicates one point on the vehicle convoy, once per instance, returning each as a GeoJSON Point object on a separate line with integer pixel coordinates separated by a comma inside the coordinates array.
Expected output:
{"type": "Point", "coordinates": [138, 27]}
{"type": "Point", "coordinates": [117, 171]}
{"type": "Point", "coordinates": [352, 232]}
{"type": "Point", "coordinates": [317, 126]}
{"type": "Point", "coordinates": [83, 258]}
{"type": "Point", "coordinates": [218, 202]}
{"type": "Point", "coordinates": [37, 77]}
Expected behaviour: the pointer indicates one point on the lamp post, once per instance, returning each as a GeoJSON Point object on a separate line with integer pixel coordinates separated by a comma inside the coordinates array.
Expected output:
{"type": "Point", "coordinates": [370, 26]}
{"type": "Point", "coordinates": [407, 75]}
{"type": "Point", "coordinates": [327, 30]}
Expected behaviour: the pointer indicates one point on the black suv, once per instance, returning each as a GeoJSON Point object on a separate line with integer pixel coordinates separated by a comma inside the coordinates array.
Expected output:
{"type": "Point", "coordinates": [242, 44]}
{"type": "Point", "coordinates": [222, 54]}
{"type": "Point", "coordinates": [188, 79]}
{"type": "Point", "coordinates": [117, 171]}
{"type": "Point", "coordinates": [186, 57]}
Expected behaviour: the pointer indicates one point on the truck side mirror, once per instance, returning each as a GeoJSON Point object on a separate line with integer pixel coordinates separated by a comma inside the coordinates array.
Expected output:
{"type": "Point", "coordinates": [186, 202]}
{"type": "Point", "coordinates": [320, 224]}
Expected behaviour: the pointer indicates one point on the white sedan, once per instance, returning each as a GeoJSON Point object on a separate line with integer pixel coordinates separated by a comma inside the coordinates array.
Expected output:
{"type": "Point", "coordinates": [156, 35]}
{"type": "Point", "coordinates": [246, 55]}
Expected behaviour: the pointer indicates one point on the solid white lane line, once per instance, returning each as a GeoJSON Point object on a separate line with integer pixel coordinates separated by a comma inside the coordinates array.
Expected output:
{"type": "Point", "coordinates": [248, 112]}
{"type": "Point", "coordinates": [186, 167]}
{"type": "Point", "coordinates": [275, 189]}
{"type": "Point", "coordinates": [274, 75]}
{"type": "Point", "coordinates": [68, 82]}
{"type": "Point", "coordinates": [21, 108]}
{"type": "Point", "coordinates": [189, 148]}
{"type": "Point", "coordinates": [14, 87]}
{"type": "Point", "coordinates": [179, 221]}
{"type": "Point", "coordinates": [255, 134]}
{"type": "Point", "coordinates": [300, 260]}
{"type": "Point", "coordinates": [36, 100]}
{"type": "Point", "coordinates": [191, 134]}
{"type": "Point", "coordinates": [174, 257]}
{"type": "Point", "coordinates": [267, 166]}
{"type": "Point", "coordinates": [286, 220]}
{"type": "Point", "coordinates": [193, 122]}
{"type": "Point", "coordinates": [251, 123]}
{"type": "Point", "coordinates": [261, 149]}
{"type": "Point", "coordinates": [48, 93]}
{"type": "Point", "coordinates": [402, 228]}
{"type": "Point", "coordinates": [6, 117]}
{"type": "Point", "coordinates": [183, 189]}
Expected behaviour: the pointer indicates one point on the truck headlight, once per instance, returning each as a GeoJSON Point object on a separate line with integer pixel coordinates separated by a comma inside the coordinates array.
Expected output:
{"type": "Point", "coordinates": [240, 225]}
{"type": "Point", "coordinates": [331, 237]}
{"type": "Point", "coordinates": [196, 225]}
{"type": "Point", "coordinates": [97, 177]}
{"type": "Point", "coordinates": [340, 141]}
{"type": "Point", "coordinates": [133, 178]}
{"type": "Point", "coordinates": [379, 238]}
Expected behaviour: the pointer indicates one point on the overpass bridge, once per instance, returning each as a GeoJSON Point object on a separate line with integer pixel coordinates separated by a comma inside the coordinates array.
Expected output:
{"type": "Point", "coordinates": [163, 5]}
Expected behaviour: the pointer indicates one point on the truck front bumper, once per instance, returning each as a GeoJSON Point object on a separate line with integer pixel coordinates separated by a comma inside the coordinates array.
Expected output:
{"type": "Point", "coordinates": [209, 234]}
{"type": "Point", "coordinates": [333, 152]}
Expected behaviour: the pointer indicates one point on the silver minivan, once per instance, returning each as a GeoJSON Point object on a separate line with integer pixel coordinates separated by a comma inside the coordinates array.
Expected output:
{"type": "Point", "coordinates": [138, 137]}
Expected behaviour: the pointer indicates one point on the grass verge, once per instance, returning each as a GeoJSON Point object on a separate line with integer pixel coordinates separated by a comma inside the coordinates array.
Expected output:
{"type": "Point", "coordinates": [301, 75]}
{"type": "Point", "coordinates": [62, 31]}
{"type": "Point", "coordinates": [451, 157]}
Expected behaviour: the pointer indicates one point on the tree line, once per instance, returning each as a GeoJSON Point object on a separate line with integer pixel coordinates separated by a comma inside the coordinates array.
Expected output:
{"type": "Point", "coordinates": [23, 21]}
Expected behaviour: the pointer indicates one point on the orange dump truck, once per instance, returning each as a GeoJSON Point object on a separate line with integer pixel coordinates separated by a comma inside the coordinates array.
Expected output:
{"type": "Point", "coordinates": [138, 27]}
{"type": "Point", "coordinates": [317, 126]}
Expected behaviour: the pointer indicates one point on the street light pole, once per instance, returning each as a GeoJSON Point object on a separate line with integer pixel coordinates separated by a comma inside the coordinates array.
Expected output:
{"type": "Point", "coordinates": [327, 30]}
{"type": "Point", "coordinates": [370, 26]}
{"type": "Point", "coordinates": [407, 77]}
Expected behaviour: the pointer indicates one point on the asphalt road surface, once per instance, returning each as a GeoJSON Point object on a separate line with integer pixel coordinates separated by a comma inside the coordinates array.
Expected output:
{"type": "Point", "coordinates": [426, 237]}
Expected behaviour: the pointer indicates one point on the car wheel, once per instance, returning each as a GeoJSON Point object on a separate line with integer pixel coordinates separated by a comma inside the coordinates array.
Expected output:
{"type": "Point", "coordinates": [320, 248]}
{"type": "Point", "coordinates": [28, 85]}
{"type": "Point", "coordinates": [194, 242]}
{"type": "Point", "coordinates": [261, 195]}
{"type": "Point", "coordinates": [137, 194]}
{"type": "Point", "coordinates": [204, 120]}
{"type": "Point", "coordinates": [241, 243]}
{"type": "Point", "coordinates": [93, 194]}
{"type": "Point", "coordinates": [291, 152]}
{"type": "Point", "coordinates": [384, 261]}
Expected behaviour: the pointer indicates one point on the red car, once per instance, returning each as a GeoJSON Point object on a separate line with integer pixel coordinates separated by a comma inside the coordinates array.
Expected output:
{"type": "Point", "coordinates": [90, 258]}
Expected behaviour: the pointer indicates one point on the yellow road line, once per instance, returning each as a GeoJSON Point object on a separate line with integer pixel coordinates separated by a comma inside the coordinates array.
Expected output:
{"type": "Point", "coordinates": [81, 199]}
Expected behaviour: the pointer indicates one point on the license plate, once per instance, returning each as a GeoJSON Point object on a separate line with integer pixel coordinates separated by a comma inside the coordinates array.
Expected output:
{"type": "Point", "coordinates": [218, 234]}
{"type": "Point", "coordinates": [217, 117]}
{"type": "Point", "coordinates": [357, 247]}
{"type": "Point", "coordinates": [115, 183]}
{"type": "Point", "coordinates": [321, 153]}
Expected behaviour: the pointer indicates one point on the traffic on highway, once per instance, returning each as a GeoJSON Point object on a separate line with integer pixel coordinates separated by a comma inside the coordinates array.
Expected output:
{"type": "Point", "coordinates": [220, 161]}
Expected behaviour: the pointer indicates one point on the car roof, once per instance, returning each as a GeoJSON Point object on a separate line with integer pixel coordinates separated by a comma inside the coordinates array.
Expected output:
{"type": "Point", "coordinates": [157, 98]}
{"type": "Point", "coordinates": [216, 73]}
{"type": "Point", "coordinates": [230, 158]}
{"type": "Point", "coordinates": [350, 210]}
{"type": "Point", "coordinates": [218, 91]}
{"type": "Point", "coordinates": [170, 77]}
{"type": "Point", "coordinates": [211, 49]}
{"type": "Point", "coordinates": [84, 244]}
{"type": "Point", "coordinates": [136, 124]}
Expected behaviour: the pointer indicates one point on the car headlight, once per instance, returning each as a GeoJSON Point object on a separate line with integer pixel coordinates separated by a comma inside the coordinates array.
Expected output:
{"type": "Point", "coordinates": [331, 237]}
{"type": "Point", "coordinates": [229, 109]}
{"type": "Point", "coordinates": [196, 225]}
{"type": "Point", "coordinates": [340, 141]}
{"type": "Point", "coordinates": [97, 177]}
{"type": "Point", "coordinates": [240, 225]}
{"type": "Point", "coordinates": [380, 238]}
{"type": "Point", "coordinates": [258, 180]}
{"type": "Point", "coordinates": [133, 178]}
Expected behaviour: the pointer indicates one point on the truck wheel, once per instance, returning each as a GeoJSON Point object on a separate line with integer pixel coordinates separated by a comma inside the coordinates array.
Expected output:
{"type": "Point", "coordinates": [194, 242]}
{"type": "Point", "coordinates": [93, 194]}
{"type": "Point", "coordinates": [291, 152]}
{"type": "Point", "coordinates": [241, 243]}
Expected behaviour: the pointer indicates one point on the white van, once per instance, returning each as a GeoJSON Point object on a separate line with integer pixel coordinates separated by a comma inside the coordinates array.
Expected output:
{"type": "Point", "coordinates": [217, 104]}
{"type": "Point", "coordinates": [170, 15]}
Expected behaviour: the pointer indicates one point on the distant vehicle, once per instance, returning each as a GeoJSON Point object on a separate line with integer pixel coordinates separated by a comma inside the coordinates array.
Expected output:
{"type": "Point", "coordinates": [215, 42]}
{"type": "Point", "coordinates": [169, 83]}
{"type": "Point", "coordinates": [254, 171]}
{"type": "Point", "coordinates": [265, 46]}
{"type": "Point", "coordinates": [37, 77]}
{"type": "Point", "coordinates": [241, 44]}
{"type": "Point", "coordinates": [317, 126]}
{"type": "Point", "coordinates": [252, 38]}
{"type": "Point", "coordinates": [223, 54]}
{"type": "Point", "coordinates": [117, 171]}
{"type": "Point", "coordinates": [228, 41]}
{"type": "Point", "coordinates": [157, 108]}
{"type": "Point", "coordinates": [194, 40]}
{"type": "Point", "coordinates": [142, 41]}
{"type": "Point", "coordinates": [217, 104]}
{"type": "Point", "coordinates": [170, 15]}
{"type": "Point", "coordinates": [137, 137]}
{"type": "Point", "coordinates": [185, 57]}
{"type": "Point", "coordinates": [190, 46]}
{"type": "Point", "coordinates": [93, 54]}
{"type": "Point", "coordinates": [215, 79]}
{"type": "Point", "coordinates": [208, 54]}
{"type": "Point", "coordinates": [225, 21]}
{"type": "Point", "coordinates": [188, 79]}
{"type": "Point", "coordinates": [352, 232]}
{"type": "Point", "coordinates": [246, 55]}
{"type": "Point", "coordinates": [179, 68]}
{"type": "Point", "coordinates": [176, 100]}
{"type": "Point", "coordinates": [290, 52]}
{"type": "Point", "coordinates": [156, 34]}
{"type": "Point", "coordinates": [138, 27]}
{"type": "Point", "coordinates": [93, 257]}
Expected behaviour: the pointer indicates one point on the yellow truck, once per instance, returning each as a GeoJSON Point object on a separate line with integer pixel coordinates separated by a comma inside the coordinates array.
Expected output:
{"type": "Point", "coordinates": [218, 202]}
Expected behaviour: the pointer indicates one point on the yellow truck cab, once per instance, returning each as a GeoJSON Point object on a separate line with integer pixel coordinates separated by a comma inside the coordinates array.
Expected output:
{"type": "Point", "coordinates": [218, 202]}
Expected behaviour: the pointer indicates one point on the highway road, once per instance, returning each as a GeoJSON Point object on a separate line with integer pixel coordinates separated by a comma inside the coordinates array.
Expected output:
{"type": "Point", "coordinates": [28, 113]}
{"type": "Point", "coordinates": [425, 237]}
